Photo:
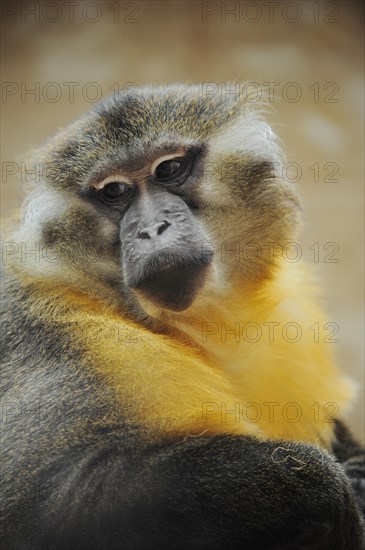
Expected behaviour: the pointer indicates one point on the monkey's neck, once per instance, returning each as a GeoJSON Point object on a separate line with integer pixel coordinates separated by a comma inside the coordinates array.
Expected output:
{"type": "Point", "coordinates": [238, 327]}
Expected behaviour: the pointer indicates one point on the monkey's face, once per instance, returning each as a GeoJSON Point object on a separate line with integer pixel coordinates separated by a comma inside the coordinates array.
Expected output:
{"type": "Point", "coordinates": [172, 194]}
{"type": "Point", "coordinates": [164, 253]}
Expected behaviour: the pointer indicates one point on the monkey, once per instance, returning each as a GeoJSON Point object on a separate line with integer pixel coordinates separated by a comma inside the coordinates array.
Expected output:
{"type": "Point", "coordinates": [143, 405]}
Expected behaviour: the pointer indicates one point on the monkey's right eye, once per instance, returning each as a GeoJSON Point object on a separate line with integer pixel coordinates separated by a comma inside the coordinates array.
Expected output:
{"type": "Point", "coordinates": [114, 190]}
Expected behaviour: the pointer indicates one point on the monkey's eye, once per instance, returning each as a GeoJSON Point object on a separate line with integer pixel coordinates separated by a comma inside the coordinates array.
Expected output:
{"type": "Point", "coordinates": [114, 191]}
{"type": "Point", "coordinates": [170, 170]}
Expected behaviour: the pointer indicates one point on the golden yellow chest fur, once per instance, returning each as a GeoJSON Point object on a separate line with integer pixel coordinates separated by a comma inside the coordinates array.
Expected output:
{"type": "Point", "coordinates": [261, 366]}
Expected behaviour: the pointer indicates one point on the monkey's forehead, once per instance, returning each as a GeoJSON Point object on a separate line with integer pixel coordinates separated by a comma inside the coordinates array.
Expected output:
{"type": "Point", "coordinates": [177, 110]}
{"type": "Point", "coordinates": [132, 129]}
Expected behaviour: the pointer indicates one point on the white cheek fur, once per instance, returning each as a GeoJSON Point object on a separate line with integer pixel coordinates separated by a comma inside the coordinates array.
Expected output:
{"type": "Point", "coordinates": [41, 206]}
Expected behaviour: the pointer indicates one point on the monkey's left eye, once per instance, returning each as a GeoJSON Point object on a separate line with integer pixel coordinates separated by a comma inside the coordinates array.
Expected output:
{"type": "Point", "coordinates": [114, 190]}
{"type": "Point", "coordinates": [169, 170]}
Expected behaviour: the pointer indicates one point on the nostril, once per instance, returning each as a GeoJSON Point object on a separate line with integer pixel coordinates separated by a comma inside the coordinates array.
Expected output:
{"type": "Point", "coordinates": [162, 227]}
{"type": "Point", "coordinates": [144, 234]}
{"type": "Point", "coordinates": [153, 230]}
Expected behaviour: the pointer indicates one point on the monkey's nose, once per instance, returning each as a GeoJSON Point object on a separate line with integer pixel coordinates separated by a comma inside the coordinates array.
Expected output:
{"type": "Point", "coordinates": [153, 230]}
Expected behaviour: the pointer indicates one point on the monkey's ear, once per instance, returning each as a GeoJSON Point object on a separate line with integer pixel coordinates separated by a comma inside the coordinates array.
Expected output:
{"type": "Point", "coordinates": [249, 134]}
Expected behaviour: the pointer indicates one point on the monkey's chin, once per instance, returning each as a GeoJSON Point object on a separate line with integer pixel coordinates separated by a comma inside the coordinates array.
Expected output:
{"type": "Point", "coordinates": [174, 288]}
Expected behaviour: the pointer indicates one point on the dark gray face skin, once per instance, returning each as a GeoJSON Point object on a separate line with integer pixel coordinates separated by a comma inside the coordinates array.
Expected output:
{"type": "Point", "coordinates": [163, 253]}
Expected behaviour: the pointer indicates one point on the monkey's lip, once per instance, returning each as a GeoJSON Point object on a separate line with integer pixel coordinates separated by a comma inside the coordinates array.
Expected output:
{"type": "Point", "coordinates": [174, 287]}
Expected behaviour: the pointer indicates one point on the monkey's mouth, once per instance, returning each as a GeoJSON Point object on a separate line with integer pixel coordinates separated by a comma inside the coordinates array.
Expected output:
{"type": "Point", "coordinates": [174, 287]}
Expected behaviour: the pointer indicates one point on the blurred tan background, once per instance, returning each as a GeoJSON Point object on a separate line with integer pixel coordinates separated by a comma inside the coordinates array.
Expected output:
{"type": "Point", "coordinates": [71, 54]}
